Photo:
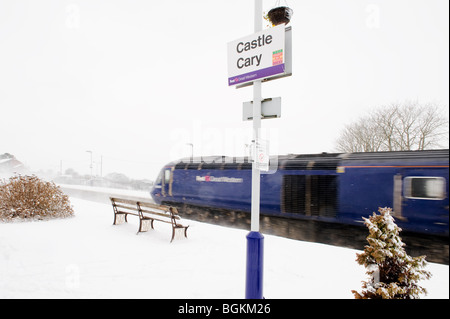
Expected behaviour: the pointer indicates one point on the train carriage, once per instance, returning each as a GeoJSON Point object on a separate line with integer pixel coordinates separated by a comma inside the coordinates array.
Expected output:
{"type": "Point", "coordinates": [330, 188]}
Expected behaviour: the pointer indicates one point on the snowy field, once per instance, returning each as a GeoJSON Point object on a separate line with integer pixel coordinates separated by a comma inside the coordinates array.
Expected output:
{"type": "Point", "coordinates": [87, 257]}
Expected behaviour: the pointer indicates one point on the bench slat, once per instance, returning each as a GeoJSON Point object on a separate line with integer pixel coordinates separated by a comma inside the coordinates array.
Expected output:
{"type": "Point", "coordinates": [159, 214]}
{"type": "Point", "coordinates": [124, 212]}
{"type": "Point", "coordinates": [155, 206]}
{"type": "Point", "coordinates": [124, 201]}
{"type": "Point", "coordinates": [127, 207]}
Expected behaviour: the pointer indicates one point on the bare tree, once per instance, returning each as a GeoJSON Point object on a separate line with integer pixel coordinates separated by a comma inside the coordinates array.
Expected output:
{"type": "Point", "coordinates": [429, 134]}
{"type": "Point", "coordinates": [385, 121]}
{"type": "Point", "coordinates": [397, 127]}
{"type": "Point", "coordinates": [362, 136]}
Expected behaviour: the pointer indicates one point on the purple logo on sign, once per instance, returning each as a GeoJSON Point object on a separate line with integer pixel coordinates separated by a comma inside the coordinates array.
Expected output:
{"type": "Point", "coordinates": [255, 75]}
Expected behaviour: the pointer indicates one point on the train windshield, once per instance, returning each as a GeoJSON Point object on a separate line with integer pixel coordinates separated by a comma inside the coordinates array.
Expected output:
{"type": "Point", "coordinates": [159, 179]}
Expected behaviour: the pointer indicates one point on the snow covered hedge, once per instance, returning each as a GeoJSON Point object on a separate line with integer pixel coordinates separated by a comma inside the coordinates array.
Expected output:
{"type": "Point", "coordinates": [393, 273]}
{"type": "Point", "coordinates": [28, 197]}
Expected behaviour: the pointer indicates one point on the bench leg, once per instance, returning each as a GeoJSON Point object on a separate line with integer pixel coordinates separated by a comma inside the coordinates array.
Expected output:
{"type": "Point", "coordinates": [173, 234]}
{"type": "Point", "coordinates": [140, 227]}
{"type": "Point", "coordinates": [174, 231]}
{"type": "Point", "coordinates": [118, 219]}
{"type": "Point", "coordinates": [141, 224]}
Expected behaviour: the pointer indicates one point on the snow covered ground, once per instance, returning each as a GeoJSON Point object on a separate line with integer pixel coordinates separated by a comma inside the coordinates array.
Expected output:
{"type": "Point", "coordinates": [87, 257]}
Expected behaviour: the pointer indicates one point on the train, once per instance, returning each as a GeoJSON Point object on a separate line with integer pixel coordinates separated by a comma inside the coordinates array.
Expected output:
{"type": "Point", "coordinates": [305, 194]}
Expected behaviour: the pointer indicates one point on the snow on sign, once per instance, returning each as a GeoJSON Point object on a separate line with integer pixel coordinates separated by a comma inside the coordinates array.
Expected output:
{"type": "Point", "coordinates": [257, 56]}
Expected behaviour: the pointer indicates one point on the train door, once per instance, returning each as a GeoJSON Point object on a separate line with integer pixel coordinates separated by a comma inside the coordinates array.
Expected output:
{"type": "Point", "coordinates": [166, 182]}
{"type": "Point", "coordinates": [422, 201]}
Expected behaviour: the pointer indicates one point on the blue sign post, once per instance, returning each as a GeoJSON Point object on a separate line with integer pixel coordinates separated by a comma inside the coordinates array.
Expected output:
{"type": "Point", "coordinates": [255, 240]}
{"type": "Point", "coordinates": [252, 59]}
{"type": "Point", "coordinates": [255, 263]}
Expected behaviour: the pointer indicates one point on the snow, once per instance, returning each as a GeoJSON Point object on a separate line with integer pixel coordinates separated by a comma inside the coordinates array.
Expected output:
{"type": "Point", "coordinates": [107, 191]}
{"type": "Point", "coordinates": [87, 257]}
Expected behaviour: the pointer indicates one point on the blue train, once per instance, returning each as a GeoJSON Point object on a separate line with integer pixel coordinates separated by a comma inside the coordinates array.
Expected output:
{"type": "Point", "coordinates": [332, 188]}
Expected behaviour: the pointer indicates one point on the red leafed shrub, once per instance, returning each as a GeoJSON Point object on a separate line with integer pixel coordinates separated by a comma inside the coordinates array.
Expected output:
{"type": "Point", "coordinates": [28, 197]}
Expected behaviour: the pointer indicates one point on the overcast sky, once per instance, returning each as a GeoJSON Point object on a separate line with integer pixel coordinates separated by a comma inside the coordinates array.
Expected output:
{"type": "Point", "coordinates": [135, 81]}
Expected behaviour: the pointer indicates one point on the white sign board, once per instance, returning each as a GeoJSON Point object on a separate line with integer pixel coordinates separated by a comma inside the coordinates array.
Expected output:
{"type": "Point", "coordinates": [262, 155]}
{"type": "Point", "coordinates": [257, 56]}
{"type": "Point", "coordinates": [270, 109]}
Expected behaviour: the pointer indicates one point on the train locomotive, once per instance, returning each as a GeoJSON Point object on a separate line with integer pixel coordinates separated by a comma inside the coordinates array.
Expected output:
{"type": "Point", "coordinates": [319, 197]}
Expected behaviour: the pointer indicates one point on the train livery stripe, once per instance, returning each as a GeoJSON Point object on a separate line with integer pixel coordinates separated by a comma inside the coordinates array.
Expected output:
{"type": "Point", "coordinates": [399, 166]}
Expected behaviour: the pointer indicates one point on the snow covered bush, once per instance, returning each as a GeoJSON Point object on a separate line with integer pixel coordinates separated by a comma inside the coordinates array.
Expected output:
{"type": "Point", "coordinates": [30, 197]}
{"type": "Point", "coordinates": [393, 273]}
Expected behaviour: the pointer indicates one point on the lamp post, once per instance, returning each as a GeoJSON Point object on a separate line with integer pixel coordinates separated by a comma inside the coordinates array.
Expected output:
{"type": "Point", "coordinates": [192, 151]}
{"type": "Point", "coordinates": [91, 162]}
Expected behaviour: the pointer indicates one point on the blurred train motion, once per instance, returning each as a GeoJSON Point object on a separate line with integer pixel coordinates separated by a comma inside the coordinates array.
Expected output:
{"type": "Point", "coordinates": [320, 197]}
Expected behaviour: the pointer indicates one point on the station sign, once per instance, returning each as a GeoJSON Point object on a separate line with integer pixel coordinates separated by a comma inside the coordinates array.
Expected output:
{"type": "Point", "coordinates": [258, 56]}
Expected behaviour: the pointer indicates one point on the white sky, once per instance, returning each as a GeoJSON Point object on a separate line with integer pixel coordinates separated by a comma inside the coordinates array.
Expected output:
{"type": "Point", "coordinates": [134, 81]}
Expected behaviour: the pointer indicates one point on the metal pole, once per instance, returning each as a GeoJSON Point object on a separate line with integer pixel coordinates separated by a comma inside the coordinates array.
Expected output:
{"type": "Point", "coordinates": [91, 162]}
{"type": "Point", "coordinates": [255, 240]}
{"type": "Point", "coordinates": [256, 175]}
{"type": "Point", "coordinates": [192, 151]}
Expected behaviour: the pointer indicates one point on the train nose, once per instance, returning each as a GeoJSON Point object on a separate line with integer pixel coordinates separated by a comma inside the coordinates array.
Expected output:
{"type": "Point", "coordinates": [155, 193]}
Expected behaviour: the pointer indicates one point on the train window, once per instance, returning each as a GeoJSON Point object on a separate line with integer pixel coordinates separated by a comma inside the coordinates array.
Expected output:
{"type": "Point", "coordinates": [423, 187]}
{"type": "Point", "coordinates": [166, 176]}
{"type": "Point", "coordinates": [159, 179]}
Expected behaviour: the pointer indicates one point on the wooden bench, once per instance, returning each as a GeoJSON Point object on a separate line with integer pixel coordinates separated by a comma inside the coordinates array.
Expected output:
{"type": "Point", "coordinates": [147, 213]}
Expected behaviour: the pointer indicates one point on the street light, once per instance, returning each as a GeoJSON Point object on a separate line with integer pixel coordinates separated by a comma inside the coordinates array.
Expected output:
{"type": "Point", "coordinates": [192, 151]}
{"type": "Point", "coordinates": [91, 162]}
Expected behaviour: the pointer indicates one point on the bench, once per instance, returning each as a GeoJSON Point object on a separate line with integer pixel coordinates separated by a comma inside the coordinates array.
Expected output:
{"type": "Point", "coordinates": [147, 213]}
